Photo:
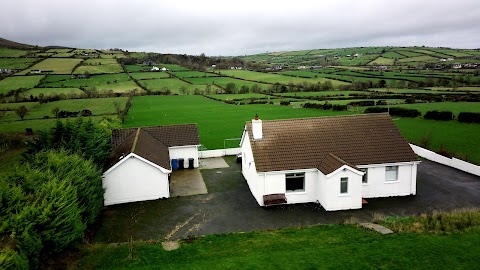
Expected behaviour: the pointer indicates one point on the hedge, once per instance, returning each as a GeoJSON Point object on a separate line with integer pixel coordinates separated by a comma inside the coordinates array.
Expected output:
{"type": "Point", "coordinates": [395, 111]}
{"type": "Point", "coordinates": [469, 117]}
{"type": "Point", "coordinates": [439, 115]}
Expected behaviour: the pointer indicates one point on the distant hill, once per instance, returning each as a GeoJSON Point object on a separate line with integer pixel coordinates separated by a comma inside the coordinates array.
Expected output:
{"type": "Point", "coordinates": [5, 43]}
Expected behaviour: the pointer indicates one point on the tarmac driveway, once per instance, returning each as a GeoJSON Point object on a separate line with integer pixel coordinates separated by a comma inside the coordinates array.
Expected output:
{"type": "Point", "coordinates": [230, 207]}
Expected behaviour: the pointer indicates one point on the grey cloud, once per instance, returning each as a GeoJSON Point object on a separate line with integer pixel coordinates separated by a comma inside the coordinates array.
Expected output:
{"type": "Point", "coordinates": [237, 28]}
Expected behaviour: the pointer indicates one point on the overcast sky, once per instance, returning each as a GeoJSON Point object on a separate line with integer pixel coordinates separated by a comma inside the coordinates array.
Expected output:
{"type": "Point", "coordinates": [240, 27]}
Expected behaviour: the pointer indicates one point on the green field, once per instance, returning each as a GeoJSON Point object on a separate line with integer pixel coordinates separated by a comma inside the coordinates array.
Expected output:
{"type": "Point", "coordinates": [99, 66]}
{"type": "Point", "coordinates": [98, 106]}
{"type": "Point", "coordinates": [274, 78]}
{"type": "Point", "coordinates": [95, 80]}
{"type": "Point", "coordinates": [188, 74]}
{"type": "Point", "coordinates": [223, 81]}
{"type": "Point", "coordinates": [36, 124]}
{"type": "Point", "coordinates": [418, 59]}
{"type": "Point", "coordinates": [149, 75]}
{"type": "Point", "coordinates": [136, 68]}
{"type": "Point", "coordinates": [216, 121]}
{"type": "Point", "coordinates": [17, 82]}
{"type": "Point", "coordinates": [316, 247]}
{"type": "Point", "coordinates": [14, 106]}
{"type": "Point", "coordinates": [16, 63]}
{"type": "Point", "coordinates": [53, 91]}
{"type": "Point", "coordinates": [322, 93]}
{"type": "Point", "coordinates": [6, 52]}
{"type": "Point", "coordinates": [382, 61]}
{"type": "Point", "coordinates": [239, 96]}
{"type": "Point", "coordinates": [55, 65]}
{"type": "Point", "coordinates": [455, 107]}
{"type": "Point", "coordinates": [172, 84]}
{"type": "Point", "coordinates": [120, 87]}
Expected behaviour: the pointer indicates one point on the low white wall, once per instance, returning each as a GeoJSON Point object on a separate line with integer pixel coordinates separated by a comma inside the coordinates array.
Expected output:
{"type": "Point", "coordinates": [219, 152]}
{"type": "Point", "coordinates": [452, 162]}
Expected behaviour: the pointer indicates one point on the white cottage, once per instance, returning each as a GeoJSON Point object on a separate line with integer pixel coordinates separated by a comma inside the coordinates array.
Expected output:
{"type": "Point", "coordinates": [335, 161]}
{"type": "Point", "coordinates": [140, 163]}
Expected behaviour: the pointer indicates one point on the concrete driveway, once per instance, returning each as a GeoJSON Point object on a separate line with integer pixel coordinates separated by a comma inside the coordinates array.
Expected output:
{"type": "Point", "coordinates": [230, 207]}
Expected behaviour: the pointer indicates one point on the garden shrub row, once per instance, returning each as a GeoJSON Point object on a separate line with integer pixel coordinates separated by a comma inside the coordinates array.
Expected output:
{"type": "Point", "coordinates": [439, 115]}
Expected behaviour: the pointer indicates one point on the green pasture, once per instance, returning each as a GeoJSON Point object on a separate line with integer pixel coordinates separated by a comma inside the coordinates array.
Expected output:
{"type": "Point", "coordinates": [136, 68]}
{"type": "Point", "coordinates": [315, 247]}
{"type": "Point", "coordinates": [238, 96]}
{"type": "Point", "coordinates": [322, 93]}
{"type": "Point", "coordinates": [35, 92]}
{"type": "Point", "coordinates": [55, 78]}
{"type": "Point", "coordinates": [216, 121]}
{"type": "Point", "coordinates": [56, 65]}
{"type": "Point", "coordinates": [94, 80]}
{"type": "Point", "coordinates": [354, 61]}
{"type": "Point", "coordinates": [173, 84]}
{"type": "Point", "coordinates": [59, 50]}
{"type": "Point", "coordinates": [16, 63]}
{"type": "Point", "coordinates": [223, 81]}
{"type": "Point", "coordinates": [63, 55]}
{"type": "Point", "coordinates": [455, 107]}
{"type": "Point", "coordinates": [188, 74]}
{"type": "Point", "coordinates": [392, 55]}
{"type": "Point", "coordinates": [98, 106]}
{"type": "Point", "coordinates": [407, 52]}
{"type": "Point", "coordinates": [36, 124]}
{"type": "Point", "coordinates": [6, 52]}
{"type": "Point", "coordinates": [149, 75]}
{"type": "Point", "coordinates": [113, 55]}
{"type": "Point", "coordinates": [423, 58]}
{"type": "Point", "coordinates": [382, 61]}
{"type": "Point", "coordinates": [99, 66]}
{"type": "Point", "coordinates": [17, 82]}
{"type": "Point", "coordinates": [172, 67]}
{"type": "Point", "coordinates": [274, 78]}
{"type": "Point", "coordinates": [13, 106]}
{"type": "Point", "coordinates": [120, 87]}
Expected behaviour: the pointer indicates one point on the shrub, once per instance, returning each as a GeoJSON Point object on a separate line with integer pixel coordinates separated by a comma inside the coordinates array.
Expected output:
{"type": "Point", "coordinates": [395, 111]}
{"type": "Point", "coordinates": [337, 107]}
{"type": "Point", "coordinates": [375, 110]}
{"type": "Point", "coordinates": [81, 137]}
{"type": "Point", "coordinates": [439, 115]}
{"type": "Point", "coordinates": [12, 260]}
{"type": "Point", "coordinates": [362, 103]}
{"type": "Point", "coordinates": [469, 117]}
{"type": "Point", "coordinates": [285, 103]}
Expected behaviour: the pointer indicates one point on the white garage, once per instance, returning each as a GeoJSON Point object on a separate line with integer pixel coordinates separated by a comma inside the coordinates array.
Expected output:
{"type": "Point", "coordinates": [141, 161]}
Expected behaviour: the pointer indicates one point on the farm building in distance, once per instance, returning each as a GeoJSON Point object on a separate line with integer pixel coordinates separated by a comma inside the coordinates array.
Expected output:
{"type": "Point", "coordinates": [141, 161]}
{"type": "Point", "coordinates": [335, 161]}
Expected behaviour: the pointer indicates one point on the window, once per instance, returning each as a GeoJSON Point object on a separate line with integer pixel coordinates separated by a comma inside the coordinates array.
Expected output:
{"type": "Point", "coordinates": [343, 185]}
{"type": "Point", "coordinates": [295, 182]}
{"type": "Point", "coordinates": [365, 176]}
{"type": "Point", "coordinates": [391, 173]}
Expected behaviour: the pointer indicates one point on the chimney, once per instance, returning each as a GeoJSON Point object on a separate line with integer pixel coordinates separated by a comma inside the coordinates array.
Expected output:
{"type": "Point", "coordinates": [257, 131]}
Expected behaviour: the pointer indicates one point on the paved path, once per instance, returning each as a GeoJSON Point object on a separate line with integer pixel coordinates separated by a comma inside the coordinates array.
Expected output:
{"type": "Point", "coordinates": [230, 207]}
{"type": "Point", "coordinates": [379, 228]}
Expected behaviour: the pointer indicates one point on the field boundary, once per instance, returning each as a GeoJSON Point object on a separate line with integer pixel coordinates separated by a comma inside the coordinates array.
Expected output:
{"type": "Point", "coordinates": [451, 162]}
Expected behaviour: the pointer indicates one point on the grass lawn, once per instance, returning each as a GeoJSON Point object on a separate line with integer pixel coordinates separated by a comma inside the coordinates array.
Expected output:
{"type": "Point", "coordinates": [317, 247]}
{"type": "Point", "coordinates": [17, 82]}
{"type": "Point", "coordinates": [16, 63]}
{"type": "Point", "coordinates": [216, 121]}
{"type": "Point", "coordinates": [455, 107]}
{"type": "Point", "coordinates": [52, 91]}
{"type": "Point", "coordinates": [57, 65]}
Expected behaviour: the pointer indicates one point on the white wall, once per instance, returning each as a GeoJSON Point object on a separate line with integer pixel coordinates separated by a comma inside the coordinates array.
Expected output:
{"type": "Point", "coordinates": [184, 152]}
{"type": "Point", "coordinates": [452, 162]}
{"type": "Point", "coordinates": [134, 180]}
{"type": "Point", "coordinates": [254, 180]}
{"type": "Point", "coordinates": [332, 199]}
{"type": "Point", "coordinates": [219, 152]}
{"type": "Point", "coordinates": [378, 187]}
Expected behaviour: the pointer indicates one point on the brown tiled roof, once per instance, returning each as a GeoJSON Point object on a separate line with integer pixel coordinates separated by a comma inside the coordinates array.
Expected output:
{"type": "Point", "coordinates": [304, 143]}
{"type": "Point", "coordinates": [331, 163]}
{"type": "Point", "coordinates": [151, 143]}
{"type": "Point", "coordinates": [173, 135]}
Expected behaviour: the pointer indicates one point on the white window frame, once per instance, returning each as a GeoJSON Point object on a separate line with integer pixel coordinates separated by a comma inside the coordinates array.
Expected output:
{"type": "Point", "coordinates": [391, 173]}
{"type": "Point", "coordinates": [298, 175]}
{"type": "Point", "coordinates": [343, 180]}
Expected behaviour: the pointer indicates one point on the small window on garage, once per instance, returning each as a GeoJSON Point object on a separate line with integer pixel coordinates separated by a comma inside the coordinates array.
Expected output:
{"type": "Point", "coordinates": [391, 173]}
{"type": "Point", "coordinates": [344, 185]}
{"type": "Point", "coordinates": [295, 182]}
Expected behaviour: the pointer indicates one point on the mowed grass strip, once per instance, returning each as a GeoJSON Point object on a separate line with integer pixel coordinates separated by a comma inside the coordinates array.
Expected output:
{"type": "Point", "coordinates": [318, 247]}
{"type": "Point", "coordinates": [216, 121]}
{"type": "Point", "coordinates": [55, 65]}
{"type": "Point", "coordinates": [17, 82]}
